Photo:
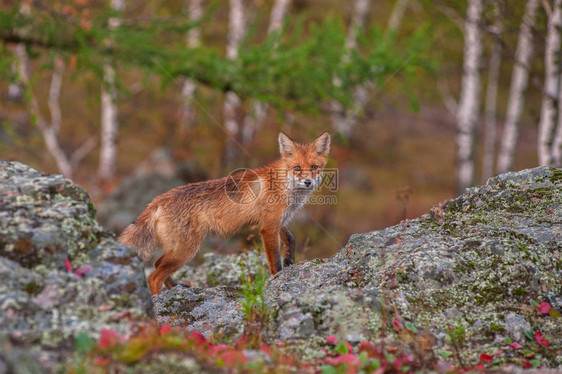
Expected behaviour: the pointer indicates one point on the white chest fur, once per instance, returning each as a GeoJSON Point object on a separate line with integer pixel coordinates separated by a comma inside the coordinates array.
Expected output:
{"type": "Point", "coordinates": [296, 199]}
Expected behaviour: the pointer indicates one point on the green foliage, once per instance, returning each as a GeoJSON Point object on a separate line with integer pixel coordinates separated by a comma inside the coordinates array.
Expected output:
{"type": "Point", "coordinates": [251, 300]}
{"type": "Point", "coordinates": [83, 342]}
{"type": "Point", "coordinates": [298, 67]}
{"type": "Point", "coordinates": [342, 348]}
{"type": "Point", "coordinates": [457, 334]}
{"type": "Point", "coordinates": [410, 326]}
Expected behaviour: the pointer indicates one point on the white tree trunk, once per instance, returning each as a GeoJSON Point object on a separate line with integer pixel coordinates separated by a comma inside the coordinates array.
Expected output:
{"type": "Point", "coordinates": [258, 111]}
{"type": "Point", "coordinates": [491, 96]}
{"type": "Point", "coordinates": [50, 131]}
{"type": "Point", "coordinates": [343, 119]}
{"type": "Point", "coordinates": [469, 103]}
{"type": "Point", "coordinates": [193, 41]}
{"type": "Point", "coordinates": [15, 90]}
{"type": "Point", "coordinates": [109, 122]}
{"type": "Point", "coordinates": [519, 81]}
{"type": "Point", "coordinates": [556, 151]}
{"type": "Point", "coordinates": [557, 141]}
{"type": "Point", "coordinates": [551, 85]}
{"type": "Point", "coordinates": [232, 103]}
{"type": "Point", "coordinates": [397, 14]}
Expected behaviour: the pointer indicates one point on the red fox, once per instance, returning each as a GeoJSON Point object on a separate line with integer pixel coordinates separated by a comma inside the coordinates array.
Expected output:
{"type": "Point", "coordinates": [178, 220]}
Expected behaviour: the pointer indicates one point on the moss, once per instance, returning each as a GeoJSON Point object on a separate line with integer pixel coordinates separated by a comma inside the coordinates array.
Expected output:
{"type": "Point", "coordinates": [32, 288]}
{"type": "Point", "coordinates": [556, 176]}
{"type": "Point", "coordinates": [497, 327]}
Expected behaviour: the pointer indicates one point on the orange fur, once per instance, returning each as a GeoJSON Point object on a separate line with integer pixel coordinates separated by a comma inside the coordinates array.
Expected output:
{"type": "Point", "coordinates": [178, 220]}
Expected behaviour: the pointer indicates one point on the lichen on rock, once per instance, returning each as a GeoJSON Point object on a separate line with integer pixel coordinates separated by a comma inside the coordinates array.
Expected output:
{"type": "Point", "coordinates": [479, 263]}
{"type": "Point", "coordinates": [48, 232]}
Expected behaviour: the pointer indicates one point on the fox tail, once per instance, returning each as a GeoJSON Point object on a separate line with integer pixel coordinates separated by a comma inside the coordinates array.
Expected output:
{"type": "Point", "coordinates": [141, 235]}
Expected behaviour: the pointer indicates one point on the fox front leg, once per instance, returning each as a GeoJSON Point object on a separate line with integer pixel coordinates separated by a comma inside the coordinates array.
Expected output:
{"type": "Point", "coordinates": [289, 242]}
{"type": "Point", "coordinates": [271, 243]}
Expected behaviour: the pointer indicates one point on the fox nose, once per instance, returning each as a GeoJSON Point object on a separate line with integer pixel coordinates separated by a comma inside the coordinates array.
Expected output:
{"type": "Point", "coordinates": [307, 182]}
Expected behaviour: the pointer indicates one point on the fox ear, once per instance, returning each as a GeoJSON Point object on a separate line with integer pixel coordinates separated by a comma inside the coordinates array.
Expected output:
{"type": "Point", "coordinates": [322, 144]}
{"type": "Point", "coordinates": [286, 145]}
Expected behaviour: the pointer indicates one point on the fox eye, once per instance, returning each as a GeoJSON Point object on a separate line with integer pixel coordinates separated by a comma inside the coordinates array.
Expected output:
{"type": "Point", "coordinates": [314, 167]}
{"type": "Point", "coordinates": [297, 168]}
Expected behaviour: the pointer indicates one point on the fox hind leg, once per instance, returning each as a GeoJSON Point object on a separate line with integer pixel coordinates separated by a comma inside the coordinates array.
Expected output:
{"type": "Point", "coordinates": [168, 263]}
{"type": "Point", "coordinates": [169, 281]}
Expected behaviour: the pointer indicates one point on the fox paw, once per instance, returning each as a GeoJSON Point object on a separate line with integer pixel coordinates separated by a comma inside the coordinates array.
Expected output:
{"type": "Point", "coordinates": [287, 262]}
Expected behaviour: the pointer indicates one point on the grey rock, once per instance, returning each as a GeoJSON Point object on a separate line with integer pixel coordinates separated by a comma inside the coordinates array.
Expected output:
{"type": "Point", "coordinates": [515, 325]}
{"type": "Point", "coordinates": [474, 262]}
{"type": "Point", "coordinates": [198, 309]}
{"type": "Point", "coordinates": [46, 220]}
{"type": "Point", "coordinates": [477, 262]}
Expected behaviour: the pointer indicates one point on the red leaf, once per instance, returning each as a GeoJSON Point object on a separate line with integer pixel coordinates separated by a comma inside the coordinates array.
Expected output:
{"type": "Point", "coordinates": [348, 359]}
{"type": "Point", "coordinates": [486, 358]}
{"type": "Point", "coordinates": [199, 339]}
{"type": "Point", "coordinates": [542, 341]}
{"type": "Point", "coordinates": [265, 348]}
{"type": "Point", "coordinates": [515, 345]}
{"type": "Point", "coordinates": [233, 358]}
{"type": "Point", "coordinates": [109, 338]}
{"type": "Point", "coordinates": [480, 366]}
{"type": "Point", "coordinates": [544, 307]}
{"type": "Point", "coordinates": [102, 361]}
{"type": "Point", "coordinates": [372, 350]}
{"type": "Point", "coordinates": [397, 325]}
{"type": "Point", "coordinates": [82, 270]}
{"type": "Point", "coordinates": [165, 329]}
{"type": "Point", "coordinates": [526, 364]}
{"type": "Point", "coordinates": [67, 264]}
{"type": "Point", "coordinates": [331, 339]}
{"type": "Point", "coordinates": [280, 344]}
{"type": "Point", "coordinates": [219, 348]}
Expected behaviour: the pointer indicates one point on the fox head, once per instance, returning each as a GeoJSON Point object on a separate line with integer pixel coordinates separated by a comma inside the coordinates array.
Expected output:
{"type": "Point", "coordinates": [304, 162]}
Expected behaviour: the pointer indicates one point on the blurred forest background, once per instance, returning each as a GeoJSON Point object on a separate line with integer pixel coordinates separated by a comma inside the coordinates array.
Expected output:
{"type": "Point", "coordinates": [422, 97]}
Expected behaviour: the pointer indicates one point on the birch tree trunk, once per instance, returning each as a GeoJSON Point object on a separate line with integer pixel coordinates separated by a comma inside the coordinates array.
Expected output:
{"type": "Point", "coordinates": [551, 85]}
{"type": "Point", "coordinates": [344, 120]}
{"type": "Point", "coordinates": [15, 90]}
{"type": "Point", "coordinates": [397, 14]}
{"type": "Point", "coordinates": [556, 153]}
{"type": "Point", "coordinates": [189, 87]}
{"type": "Point", "coordinates": [49, 131]}
{"type": "Point", "coordinates": [519, 82]}
{"type": "Point", "coordinates": [109, 122]}
{"type": "Point", "coordinates": [232, 103]}
{"type": "Point", "coordinates": [258, 111]}
{"type": "Point", "coordinates": [492, 95]}
{"type": "Point", "coordinates": [469, 102]}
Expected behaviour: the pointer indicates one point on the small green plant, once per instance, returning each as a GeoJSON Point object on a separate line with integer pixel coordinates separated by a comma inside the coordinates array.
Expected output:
{"type": "Point", "coordinates": [457, 337]}
{"type": "Point", "coordinates": [253, 306]}
{"type": "Point", "coordinates": [252, 294]}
